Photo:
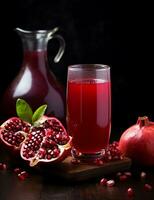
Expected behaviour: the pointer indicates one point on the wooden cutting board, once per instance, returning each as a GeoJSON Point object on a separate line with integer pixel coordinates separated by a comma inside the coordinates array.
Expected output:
{"type": "Point", "coordinates": [84, 171]}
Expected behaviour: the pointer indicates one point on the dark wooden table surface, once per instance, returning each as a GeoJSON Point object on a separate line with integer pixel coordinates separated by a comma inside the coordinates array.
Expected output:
{"type": "Point", "coordinates": [44, 187]}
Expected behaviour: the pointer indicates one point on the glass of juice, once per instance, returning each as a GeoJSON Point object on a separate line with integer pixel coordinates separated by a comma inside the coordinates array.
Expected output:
{"type": "Point", "coordinates": [89, 109]}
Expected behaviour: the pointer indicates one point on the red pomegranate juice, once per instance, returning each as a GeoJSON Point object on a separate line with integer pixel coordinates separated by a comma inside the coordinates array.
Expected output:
{"type": "Point", "coordinates": [89, 114]}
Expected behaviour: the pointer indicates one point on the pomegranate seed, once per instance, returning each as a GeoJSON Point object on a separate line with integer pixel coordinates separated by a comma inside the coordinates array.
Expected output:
{"type": "Point", "coordinates": [116, 158]}
{"type": "Point", "coordinates": [17, 170]}
{"type": "Point", "coordinates": [25, 174]}
{"type": "Point", "coordinates": [6, 138]}
{"type": "Point", "coordinates": [56, 152]}
{"type": "Point", "coordinates": [9, 140]}
{"type": "Point", "coordinates": [118, 174]}
{"type": "Point", "coordinates": [59, 136]}
{"type": "Point", "coordinates": [103, 181]}
{"type": "Point", "coordinates": [3, 166]}
{"type": "Point", "coordinates": [49, 157]}
{"type": "Point", "coordinates": [42, 152]}
{"type": "Point", "coordinates": [147, 187]}
{"type": "Point", "coordinates": [109, 158]}
{"type": "Point", "coordinates": [49, 132]}
{"type": "Point", "coordinates": [143, 175]}
{"type": "Point", "coordinates": [21, 177]}
{"type": "Point", "coordinates": [123, 178]}
{"type": "Point", "coordinates": [121, 157]}
{"type": "Point", "coordinates": [110, 183]}
{"type": "Point", "coordinates": [128, 174]}
{"type": "Point", "coordinates": [98, 162]}
{"type": "Point", "coordinates": [130, 192]}
{"type": "Point", "coordinates": [75, 161]}
{"type": "Point", "coordinates": [115, 143]}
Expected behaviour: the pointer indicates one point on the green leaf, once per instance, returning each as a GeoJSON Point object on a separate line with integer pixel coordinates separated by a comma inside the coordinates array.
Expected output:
{"type": "Point", "coordinates": [38, 113]}
{"type": "Point", "coordinates": [24, 110]}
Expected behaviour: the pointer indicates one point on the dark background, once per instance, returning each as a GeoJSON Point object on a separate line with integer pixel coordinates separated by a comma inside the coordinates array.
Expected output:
{"type": "Point", "coordinates": [117, 33]}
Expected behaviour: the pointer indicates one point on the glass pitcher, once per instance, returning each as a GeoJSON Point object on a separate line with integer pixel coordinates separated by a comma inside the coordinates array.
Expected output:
{"type": "Point", "coordinates": [35, 82]}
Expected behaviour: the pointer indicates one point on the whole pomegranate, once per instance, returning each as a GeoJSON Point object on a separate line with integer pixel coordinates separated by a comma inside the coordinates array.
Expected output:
{"type": "Point", "coordinates": [137, 142]}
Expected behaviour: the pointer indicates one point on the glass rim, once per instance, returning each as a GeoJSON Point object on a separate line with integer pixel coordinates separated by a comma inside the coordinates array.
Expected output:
{"type": "Point", "coordinates": [96, 67]}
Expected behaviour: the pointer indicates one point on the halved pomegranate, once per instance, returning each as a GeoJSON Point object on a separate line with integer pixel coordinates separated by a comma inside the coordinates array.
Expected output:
{"type": "Point", "coordinates": [13, 132]}
{"type": "Point", "coordinates": [46, 142]}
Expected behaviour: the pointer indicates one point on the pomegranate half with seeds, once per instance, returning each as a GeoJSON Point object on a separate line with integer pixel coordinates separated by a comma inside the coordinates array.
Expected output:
{"type": "Point", "coordinates": [38, 137]}
{"type": "Point", "coordinates": [13, 132]}
{"type": "Point", "coordinates": [46, 142]}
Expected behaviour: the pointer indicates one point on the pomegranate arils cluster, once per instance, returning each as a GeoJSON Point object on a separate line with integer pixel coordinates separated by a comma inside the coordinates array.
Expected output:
{"type": "Point", "coordinates": [33, 141]}
{"type": "Point", "coordinates": [49, 148]}
{"type": "Point", "coordinates": [46, 142]}
{"type": "Point", "coordinates": [58, 135]}
{"type": "Point", "coordinates": [13, 131]}
{"type": "Point", "coordinates": [14, 125]}
{"type": "Point", "coordinates": [110, 153]}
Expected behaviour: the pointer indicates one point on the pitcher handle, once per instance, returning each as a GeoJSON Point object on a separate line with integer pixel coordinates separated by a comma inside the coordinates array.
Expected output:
{"type": "Point", "coordinates": [61, 48]}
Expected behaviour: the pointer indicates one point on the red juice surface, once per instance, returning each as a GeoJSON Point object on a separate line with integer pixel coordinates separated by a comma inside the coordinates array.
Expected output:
{"type": "Point", "coordinates": [89, 114]}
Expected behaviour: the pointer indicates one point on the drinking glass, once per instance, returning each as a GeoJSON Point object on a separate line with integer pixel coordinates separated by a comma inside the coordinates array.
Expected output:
{"type": "Point", "coordinates": [89, 109]}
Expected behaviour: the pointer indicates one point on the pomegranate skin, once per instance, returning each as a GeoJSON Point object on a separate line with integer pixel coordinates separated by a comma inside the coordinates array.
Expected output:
{"type": "Point", "coordinates": [137, 142]}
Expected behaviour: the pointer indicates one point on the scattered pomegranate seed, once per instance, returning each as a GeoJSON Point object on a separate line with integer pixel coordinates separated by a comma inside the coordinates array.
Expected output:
{"type": "Point", "coordinates": [17, 170]}
{"type": "Point", "coordinates": [21, 177]}
{"type": "Point", "coordinates": [3, 166]}
{"type": "Point", "coordinates": [118, 174]}
{"type": "Point", "coordinates": [103, 181]}
{"type": "Point", "coordinates": [98, 162]}
{"type": "Point", "coordinates": [128, 174]}
{"type": "Point", "coordinates": [143, 175]}
{"type": "Point", "coordinates": [110, 183]}
{"type": "Point", "coordinates": [130, 192]}
{"type": "Point", "coordinates": [123, 178]}
{"type": "Point", "coordinates": [121, 157]}
{"type": "Point", "coordinates": [75, 161]}
{"type": "Point", "coordinates": [147, 187]}
{"type": "Point", "coordinates": [25, 174]}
